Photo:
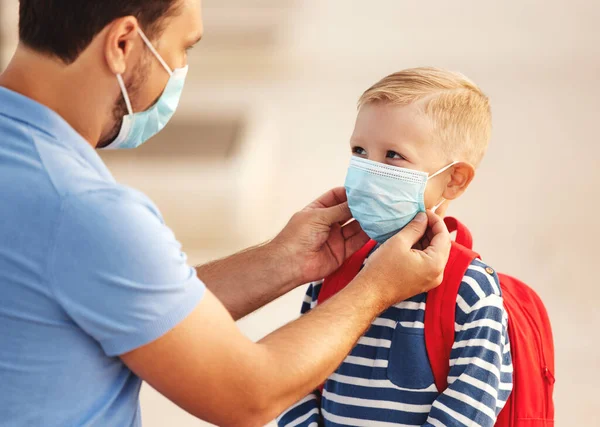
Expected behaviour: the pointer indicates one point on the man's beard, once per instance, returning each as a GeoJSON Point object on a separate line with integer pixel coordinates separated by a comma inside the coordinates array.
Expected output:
{"type": "Point", "coordinates": [138, 78]}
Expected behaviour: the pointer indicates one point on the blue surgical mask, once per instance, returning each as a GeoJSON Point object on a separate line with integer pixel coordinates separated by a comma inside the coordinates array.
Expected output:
{"type": "Point", "coordinates": [384, 198]}
{"type": "Point", "coordinates": [138, 128]}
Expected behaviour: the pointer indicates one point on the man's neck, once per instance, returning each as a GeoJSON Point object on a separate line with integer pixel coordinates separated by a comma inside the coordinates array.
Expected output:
{"type": "Point", "coordinates": [57, 86]}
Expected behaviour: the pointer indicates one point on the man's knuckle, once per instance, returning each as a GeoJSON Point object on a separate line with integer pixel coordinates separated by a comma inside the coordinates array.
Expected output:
{"type": "Point", "coordinates": [396, 242]}
{"type": "Point", "coordinates": [413, 228]}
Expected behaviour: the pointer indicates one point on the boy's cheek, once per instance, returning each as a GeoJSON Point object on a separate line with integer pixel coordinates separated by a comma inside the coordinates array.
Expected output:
{"type": "Point", "coordinates": [433, 195]}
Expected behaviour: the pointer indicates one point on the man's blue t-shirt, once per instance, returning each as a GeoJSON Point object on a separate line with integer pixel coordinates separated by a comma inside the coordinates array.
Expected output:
{"type": "Point", "coordinates": [88, 271]}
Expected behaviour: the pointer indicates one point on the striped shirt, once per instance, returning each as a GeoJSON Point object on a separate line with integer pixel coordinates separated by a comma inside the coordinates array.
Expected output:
{"type": "Point", "coordinates": [387, 380]}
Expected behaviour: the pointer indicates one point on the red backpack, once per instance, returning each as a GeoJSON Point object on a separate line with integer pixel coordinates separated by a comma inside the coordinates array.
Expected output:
{"type": "Point", "coordinates": [530, 403]}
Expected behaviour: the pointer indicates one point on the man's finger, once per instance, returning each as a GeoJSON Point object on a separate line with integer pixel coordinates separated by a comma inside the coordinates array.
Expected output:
{"type": "Point", "coordinates": [355, 243]}
{"type": "Point", "coordinates": [355, 238]}
{"type": "Point", "coordinates": [429, 234]}
{"type": "Point", "coordinates": [414, 231]}
{"type": "Point", "coordinates": [350, 229]}
{"type": "Point", "coordinates": [440, 243]}
{"type": "Point", "coordinates": [425, 242]}
{"type": "Point", "coordinates": [332, 198]}
{"type": "Point", "coordinates": [336, 214]}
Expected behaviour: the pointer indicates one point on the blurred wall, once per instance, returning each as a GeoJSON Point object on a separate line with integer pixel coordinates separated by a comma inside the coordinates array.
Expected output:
{"type": "Point", "coordinates": [291, 71]}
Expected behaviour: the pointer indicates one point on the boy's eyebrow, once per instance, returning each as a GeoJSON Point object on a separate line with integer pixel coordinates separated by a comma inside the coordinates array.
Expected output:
{"type": "Point", "coordinates": [356, 140]}
{"type": "Point", "coordinates": [392, 146]}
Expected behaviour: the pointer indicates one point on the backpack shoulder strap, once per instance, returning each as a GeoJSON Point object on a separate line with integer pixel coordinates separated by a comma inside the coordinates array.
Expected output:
{"type": "Point", "coordinates": [440, 308]}
{"type": "Point", "coordinates": [463, 235]}
{"type": "Point", "coordinates": [338, 280]}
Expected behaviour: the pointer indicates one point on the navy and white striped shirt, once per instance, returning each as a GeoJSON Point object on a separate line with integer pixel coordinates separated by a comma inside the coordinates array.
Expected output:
{"type": "Point", "coordinates": [387, 380]}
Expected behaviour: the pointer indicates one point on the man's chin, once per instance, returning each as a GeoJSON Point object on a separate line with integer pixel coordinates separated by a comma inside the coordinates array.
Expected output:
{"type": "Point", "coordinates": [106, 140]}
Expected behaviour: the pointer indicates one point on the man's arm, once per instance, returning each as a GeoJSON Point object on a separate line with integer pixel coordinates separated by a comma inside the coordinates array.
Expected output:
{"type": "Point", "coordinates": [313, 244]}
{"type": "Point", "coordinates": [206, 366]}
{"type": "Point", "coordinates": [250, 279]}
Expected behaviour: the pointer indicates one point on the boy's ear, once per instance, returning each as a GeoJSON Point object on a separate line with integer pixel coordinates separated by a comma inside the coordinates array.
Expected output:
{"type": "Point", "coordinates": [462, 175]}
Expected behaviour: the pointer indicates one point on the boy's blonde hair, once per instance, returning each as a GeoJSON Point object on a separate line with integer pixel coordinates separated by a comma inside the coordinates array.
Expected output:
{"type": "Point", "coordinates": [459, 111]}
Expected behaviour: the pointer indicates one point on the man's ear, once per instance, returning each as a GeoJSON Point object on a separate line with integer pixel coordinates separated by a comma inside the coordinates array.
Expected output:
{"type": "Point", "coordinates": [121, 42]}
{"type": "Point", "coordinates": [462, 175]}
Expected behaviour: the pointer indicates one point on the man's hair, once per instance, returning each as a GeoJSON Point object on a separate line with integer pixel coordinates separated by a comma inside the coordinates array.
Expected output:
{"type": "Point", "coordinates": [459, 111]}
{"type": "Point", "coordinates": [65, 28]}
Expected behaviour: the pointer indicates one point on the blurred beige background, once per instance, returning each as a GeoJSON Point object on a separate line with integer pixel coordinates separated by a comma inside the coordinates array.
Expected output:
{"type": "Point", "coordinates": [269, 108]}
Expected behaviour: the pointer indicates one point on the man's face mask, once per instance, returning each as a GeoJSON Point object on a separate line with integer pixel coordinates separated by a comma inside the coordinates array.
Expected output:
{"type": "Point", "coordinates": [383, 198]}
{"type": "Point", "coordinates": [138, 128]}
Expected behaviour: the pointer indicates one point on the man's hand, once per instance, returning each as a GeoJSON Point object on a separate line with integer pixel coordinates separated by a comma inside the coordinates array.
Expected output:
{"type": "Point", "coordinates": [319, 238]}
{"type": "Point", "coordinates": [399, 270]}
{"type": "Point", "coordinates": [316, 241]}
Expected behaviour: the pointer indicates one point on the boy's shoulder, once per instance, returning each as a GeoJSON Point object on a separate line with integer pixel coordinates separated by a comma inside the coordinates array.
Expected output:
{"type": "Point", "coordinates": [480, 286]}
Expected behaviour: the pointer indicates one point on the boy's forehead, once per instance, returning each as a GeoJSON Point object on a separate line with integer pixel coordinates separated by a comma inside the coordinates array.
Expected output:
{"type": "Point", "coordinates": [392, 123]}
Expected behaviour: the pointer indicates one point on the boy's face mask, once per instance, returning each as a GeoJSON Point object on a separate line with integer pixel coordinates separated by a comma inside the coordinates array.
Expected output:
{"type": "Point", "coordinates": [138, 128]}
{"type": "Point", "coordinates": [383, 198]}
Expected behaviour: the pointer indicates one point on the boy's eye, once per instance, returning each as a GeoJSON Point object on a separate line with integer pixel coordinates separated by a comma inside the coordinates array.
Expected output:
{"type": "Point", "coordinates": [359, 150]}
{"type": "Point", "coordinates": [393, 155]}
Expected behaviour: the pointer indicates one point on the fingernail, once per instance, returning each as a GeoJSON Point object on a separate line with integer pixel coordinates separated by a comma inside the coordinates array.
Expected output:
{"type": "Point", "coordinates": [421, 217]}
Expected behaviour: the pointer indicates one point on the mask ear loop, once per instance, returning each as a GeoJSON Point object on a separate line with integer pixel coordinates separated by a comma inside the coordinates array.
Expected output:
{"type": "Point", "coordinates": [124, 92]}
{"type": "Point", "coordinates": [436, 207]}
{"type": "Point", "coordinates": [444, 169]}
{"type": "Point", "coordinates": [155, 52]}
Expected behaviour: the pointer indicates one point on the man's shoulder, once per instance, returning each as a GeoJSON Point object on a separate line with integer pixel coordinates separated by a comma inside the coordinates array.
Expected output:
{"type": "Point", "coordinates": [47, 181]}
{"type": "Point", "coordinates": [114, 234]}
{"type": "Point", "coordinates": [61, 157]}
{"type": "Point", "coordinates": [80, 180]}
{"type": "Point", "coordinates": [109, 209]}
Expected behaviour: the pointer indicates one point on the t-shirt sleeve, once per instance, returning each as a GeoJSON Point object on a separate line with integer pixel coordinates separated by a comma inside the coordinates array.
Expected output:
{"type": "Point", "coordinates": [118, 271]}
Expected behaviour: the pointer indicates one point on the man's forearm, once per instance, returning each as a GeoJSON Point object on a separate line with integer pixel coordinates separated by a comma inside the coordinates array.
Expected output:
{"type": "Point", "coordinates": [246, 281]}
{"type": "Point", "coordinates": [304, 353]}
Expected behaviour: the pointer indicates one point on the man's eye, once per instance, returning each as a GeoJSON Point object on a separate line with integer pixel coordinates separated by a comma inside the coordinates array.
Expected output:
{"type": "Point", "coordinates": [393, 155]}
{"type": "Point", "coordinates": [360, 151]}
